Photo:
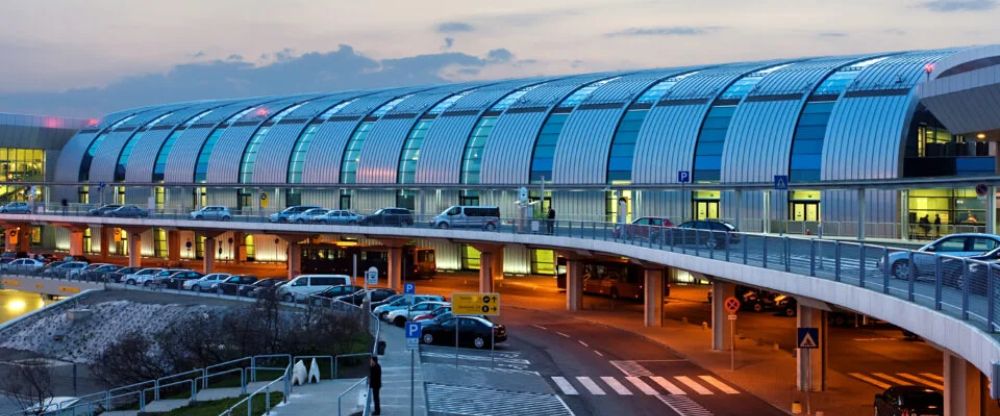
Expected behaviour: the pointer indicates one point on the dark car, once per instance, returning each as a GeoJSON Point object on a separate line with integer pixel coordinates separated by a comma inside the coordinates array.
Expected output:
{"type": "Point", "coordinates": [378, 295]}
{"type": "Point", "coordinates": [127, 211]}
{"type": "Point", "coordinates": [386, 301]}
{"type": "Point", "coordinates": [472, 330]}
{"type": "Point", "coordinates": [260, 285]}
{"type": "Point", "coordinates": [117, 275]}
{"type": "Point", "coordinates": [909, 401]}
{"type": "Point", "coordinates": [100, 211]}
{"type": "Point", "coordinates": [709, 233]}
{"type": "Point", "coordinates": [50, 269]}
{"type": "Point", "coordinates": [97, 272]}
{"type": "Point", "coordinates": [233, 284]}
{"type": "Point", "coordinates": [389, 216]}
{"type": "Point", "coordinates": [162, 277]}
{"type": "Point", "coordinates": [76, 258]}
{"type": "Point", "coordinates": [9, 256]}
{"type": "Point", "coordinates": [329, 294]}
{"type": "Point", "coordinates": [177, 279]}
{"type": "Point", "coordinates": [786, 305]}
{"type": "Point", "coordinates": [646, 228]}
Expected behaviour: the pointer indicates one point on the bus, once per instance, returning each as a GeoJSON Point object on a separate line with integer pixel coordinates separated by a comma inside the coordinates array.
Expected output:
{"type": "Point", "coordinates": [617, 279]}
{"type": "Point", "coordinates": [418, 262]}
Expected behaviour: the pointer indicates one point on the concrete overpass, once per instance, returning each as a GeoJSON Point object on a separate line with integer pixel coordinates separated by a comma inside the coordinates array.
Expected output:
{"type": "Point", "coordinates": [817, 272]}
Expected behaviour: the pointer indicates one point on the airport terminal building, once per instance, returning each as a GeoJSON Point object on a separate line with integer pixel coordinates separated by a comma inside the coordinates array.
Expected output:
{"type": "Point", "coordinates": [681, 143]}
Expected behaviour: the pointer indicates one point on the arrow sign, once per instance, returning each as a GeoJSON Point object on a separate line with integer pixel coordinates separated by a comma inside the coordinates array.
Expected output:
{"type": "Point", "coordinates": [808, 338]}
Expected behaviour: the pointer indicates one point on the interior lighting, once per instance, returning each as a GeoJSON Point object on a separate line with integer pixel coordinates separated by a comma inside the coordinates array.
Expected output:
{"type": "Point", "coordinates": [981, 136]}
{"type": "Point", "coordinates": [16, 306]}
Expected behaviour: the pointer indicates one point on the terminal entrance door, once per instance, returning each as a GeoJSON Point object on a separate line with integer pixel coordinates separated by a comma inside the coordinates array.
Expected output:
{"type": "Point", "coordinates": [706, 209]}
{"type": "Point", "coordinates": [805, 211]}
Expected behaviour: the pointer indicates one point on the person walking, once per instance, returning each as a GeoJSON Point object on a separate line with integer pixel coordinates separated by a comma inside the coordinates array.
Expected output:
{"type": "Point", "coordinates": [551, 223]}
{"type": "Point", "coordinates": [375, 383]}
{"type": "Point", "coordinates": [925, 225]}
{"type": "Point", "coordinates": [937, 225]}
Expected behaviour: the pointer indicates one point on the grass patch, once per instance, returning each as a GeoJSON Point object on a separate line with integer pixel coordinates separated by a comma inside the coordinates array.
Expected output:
{"type": "Point", "coordinates": [215, 407]}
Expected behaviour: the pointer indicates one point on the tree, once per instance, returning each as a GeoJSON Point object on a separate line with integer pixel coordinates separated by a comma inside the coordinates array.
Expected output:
{"type": "Point", "coordinates": [128, 361]}
{"type": "Point", "coordinates": [29, 385]}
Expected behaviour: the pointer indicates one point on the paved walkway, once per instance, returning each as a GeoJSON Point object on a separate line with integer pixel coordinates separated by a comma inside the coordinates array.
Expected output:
{"type": "Point", "coordinates": [321, 399]}
{"type": "Point", "coordinates": [396, 376]}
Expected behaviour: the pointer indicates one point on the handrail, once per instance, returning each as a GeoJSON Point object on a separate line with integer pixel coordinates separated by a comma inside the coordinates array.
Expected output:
{"type": "Point", "coordinates": [340, 396]}
{"type": "Point", "coordinates": [267, 394]}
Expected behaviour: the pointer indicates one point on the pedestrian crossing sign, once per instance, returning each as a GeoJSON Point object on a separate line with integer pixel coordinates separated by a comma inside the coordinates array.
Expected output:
{"type": "Point", "coordinates": [808, 338]}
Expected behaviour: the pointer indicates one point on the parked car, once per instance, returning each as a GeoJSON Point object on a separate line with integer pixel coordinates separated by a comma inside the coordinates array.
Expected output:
{"type": "Point", "coordinates": [76, 258]}
{"type": "Point", "coordinates": [308, 216]}
{"type": "Point", "coordinates": [177, 279]}
{"type": "Point", "coordinates": [786, 305]}
{"type": "Point", "coordinates": [710, 233]}
{"type": "Point", "coordinates": [460, 216]}
{"type": "Point", "coordinates": [648, 228]}
{"type": "Point", "coordinates": [954, 245]}
{"type": "Point", "coordinates": [386, 301]}
{"type": "Point", "coordinates": [99, 272]}
{"type": "Point", "coordinates": [104, 209]}
{"type": "Point", "coordinates": [118, 276]}
{"type": "Point", "coordinates": [161, 278]}
{"type": "Point", "coordinates": [472, 330]}
{"type": "Point", "coordinates": [212, 212]}
{"type": "Point", "coordinates": [260, 286]}
{"type": "Point", "coordinates": [23, 265]}
{"type": "Point", "coordinates": [327, 296]}
{"type": "Point", "coordinates": [15, 208]}
{"type": "Point", "coordinates": [205, 282]}
{"type": "Point", "coordinates": [909, 401]}
{"type": "Point", "coordinates": [141, 276]}
{"type": "Point", "coordinates": [233, 284]}
{"type": "Point", "coordinates": [66, 269]}
{"type": "Point", "coordinates": [340, 216]}
{"type": "Point", "coordinates": [403, 302]}
{"type": "Point", "coordinates": [377, 295]}
{"type": "Point", "coordinates": [9, 256]}
{"type": "Point", "coordinates": [434, 314]}
{"type": "Point", "coordinates": [399, 316]}
{"type": "Point", "coordinates": [48, 269]}
{"type": "Point", "coordinates": [308, 284]}
{"type": "Point", "coordinates": [287, 213]}
{"type": "Point", "coordinates": [389, 216]}
{"type": "Point", "coordinates": [127, 211]}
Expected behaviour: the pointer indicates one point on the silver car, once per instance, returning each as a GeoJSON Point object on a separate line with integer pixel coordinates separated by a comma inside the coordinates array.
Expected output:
{"type": "Point", "coordinates": [458, 216]}
{"type": "Point", "coordinates": [308, 216]}
{"type": "Point", "coordinates": [340, 216]}
{"type": "Point", "coordinates": [212, 212]}
{"type": "Point", "coordinates": [205, 282]}
{"type": "Point", "coordinates": [924, 261]}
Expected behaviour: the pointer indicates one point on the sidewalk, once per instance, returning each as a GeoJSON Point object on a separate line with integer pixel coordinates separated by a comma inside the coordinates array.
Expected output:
{"type": "Point", "coordinates": [396, 375]}
{"type": "Point", "coordinates": [756, 365]}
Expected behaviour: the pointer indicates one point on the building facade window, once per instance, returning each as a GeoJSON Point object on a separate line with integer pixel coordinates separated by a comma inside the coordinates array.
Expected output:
{"type": "Point", "coordinates": [205, 154]}
{"type": "Point", "coordinates": [88, 155]}
{"type": "Point", "coordinates": [126, 151]}
{"type": "Point", "coordinates": [472, 151]}
{"type": "Point", "coordinates": [249, 159]}
{"type": "Point", "coordinates": [163, 154]}
{"type": "Point", "coordinates": [20, 165]}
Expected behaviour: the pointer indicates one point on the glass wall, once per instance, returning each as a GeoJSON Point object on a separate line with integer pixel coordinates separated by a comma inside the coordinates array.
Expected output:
{"type": "Point", "coordinates": [18, 165]}
{"type": "Point", "coordinates": [543, 262]}
{"type": "Point", "coordinates": [936, 212]}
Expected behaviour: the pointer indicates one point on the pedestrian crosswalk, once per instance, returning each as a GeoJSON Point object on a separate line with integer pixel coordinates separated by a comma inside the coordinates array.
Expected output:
{"type": "Point", "coordinates": [885, 380]}
{"type": "Point", "coordinates": [700, 385]}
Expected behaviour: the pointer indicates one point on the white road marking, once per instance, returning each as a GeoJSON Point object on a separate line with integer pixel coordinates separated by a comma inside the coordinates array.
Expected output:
{"type": "Point", "coordinates": [541, 327]}
{"type": "Point", "coordinates": [641, 385]}
{"type": "Point", "coordinates": [693, 385]}
{"type": "Point", "coordinates": [719, 384]}
{"type": "Point", "coordinates": [617, 386]}
{"type": "Point", "coordinates": [667, 385]}
{"type": "Point", "coordinates": [870, 380]}
{"type": "Point", "coordinates": [894, 380]}
{"type": "Point", "coordinates": [583, 343]}
{"type": "Point", "coordinates": [930, 383]}
{"type": "Point", "coordinates": [565, 386]}
{"type": "Point", "coordinates": [598, 353]}
{"type": "Point", "coordinates": [684, 405]}
{"type": "Point", "coordinates": [562, 334]}
{"type": "Point", "coordinates": [591, 386]}
{"type": "Point", "coordinates": [631, 368]}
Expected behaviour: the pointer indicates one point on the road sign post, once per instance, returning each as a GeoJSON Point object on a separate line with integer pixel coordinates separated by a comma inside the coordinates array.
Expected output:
{"type": "Point", "coordinates": [732, 305]}
{"type": "Point", "coordinates": [807, 339]}
{"type": "Point", "coordinates": [412, 344]}
{"type": "Point", "coordinates": [475, 303]}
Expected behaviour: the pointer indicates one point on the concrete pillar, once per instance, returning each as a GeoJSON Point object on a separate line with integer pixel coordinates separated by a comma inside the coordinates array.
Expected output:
{"type": "Point", "coordinates": [498, 267]}
{"type": "Point", "coordinates": [395, 272]}
{"type": "Point", "coordinates": [76, 235]}
{"type": "Point", "coordinates": [991, 210]}
{"type": "Point", "coordinates": [811, 363]}
{"type": "Point", "coordinates": [209, 258]}
{"type": "Point", "coordinates": [173, 246]}
{"type": "Point", "coordinates": [106, 235]}
{"type": "Point", "coordinates": [574, 285]}
{"type": "Point", "coordinates": [486, 268]}
{"type": "Point", "coordinates": [653, 297]}
{"type": "Point", "coordinates": [294, 259]}
{"type": "Point", "coordinates": [862, 208]}
{"type": "Point", "coordinates": [134, 248]}
{"type": "Point", "coordinates": [239, 246]}
{"type": "Point", "coordinates": [722, 340]}
{"type": "Point", "coordinates": [963, 387]}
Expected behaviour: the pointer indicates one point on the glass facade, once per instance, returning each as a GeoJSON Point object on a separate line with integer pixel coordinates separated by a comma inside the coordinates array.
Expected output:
{"type": "Point", "coordinates": [352, 153]}
{"type": "Point", "coordinates": [545, 144]}
{"type": "Point", "coordinates": [472, 153]}
{"type": "Point", "coordinates": [305, 139]}
{"type": "Point", "coordinates": [201, 166]}
{"type": "Point", "coordinates": [936, 212]}
{"type": "Point", "coordinates": [88, 156]}
{"type": "Point", "coordinates": [20, 165]}
{"type": "Point", "coordinates": [163, 154]}
{"type": "Point", "coordinates": [126, 152]}
{"type": "Point", "coordinates": [250, 153]}
{"type": "Point", "coordinates": [415, 140]}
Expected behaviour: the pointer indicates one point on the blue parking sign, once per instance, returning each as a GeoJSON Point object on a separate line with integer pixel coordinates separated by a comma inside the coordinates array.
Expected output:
{"type": "Point", "coordinates": [409, 289]}
{"type": "Point", "coordinates": [412, 330]}
{"type": "Point", "coordinates": [683, 176]}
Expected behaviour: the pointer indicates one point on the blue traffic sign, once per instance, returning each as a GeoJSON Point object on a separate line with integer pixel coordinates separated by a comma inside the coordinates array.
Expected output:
{"type": "Point", "coordinates": [683, 176]}
{"type": "Point", "coordinates": [781, 182]}
{"type": "Point", "coordinates": [808, 338]}
{"type": "Point", "coordinates": [409, 289]}
{"type": "Point", "coordinates": [412, 330]}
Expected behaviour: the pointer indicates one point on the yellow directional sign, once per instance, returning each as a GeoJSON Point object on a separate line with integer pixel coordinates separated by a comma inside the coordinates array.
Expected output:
{"type": "Point", "coordinates": [473, 303]}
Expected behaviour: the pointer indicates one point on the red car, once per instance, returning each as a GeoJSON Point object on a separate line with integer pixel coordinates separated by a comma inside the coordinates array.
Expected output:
{"type": "Point", "coordinates": [647, 228]}
{"type": "Point", "coordinates": [433, 314]}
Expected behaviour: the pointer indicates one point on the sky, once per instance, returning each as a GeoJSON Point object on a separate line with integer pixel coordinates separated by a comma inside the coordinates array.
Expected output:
{"type": "Point", "coordinates": [84, 58]}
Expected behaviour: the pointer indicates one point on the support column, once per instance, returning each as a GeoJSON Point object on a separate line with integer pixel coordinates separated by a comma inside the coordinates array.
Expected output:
{"type": "Point", "coordinates": [498, 267]}
{"type": "Point", "coordinates": [134, 247]}
{"type": "Point", "coordinates": [991, 210]}
{"type": "Point", "coordinates": [24, 241]}
{"type": "Point", "coordinates": [721, 338]}
{"type": "Point", "coordinates": [173, 246]}
{"type": "Point", "coordinates": [653, 297]}
{"type": "Point", "coordinates": [574, 285]}
{"type": "Point", "coordinates": [208, 261]}
{"type": "Point", "coordinates": [862, 208]}
{"type": "Point", "coordinates": [810, 364]}
{"type": "Point", "coordinates": [294, 259]}
{"type": "Point", "coordinates": [395, 266]}
{"type": "Point", "coordinates": [106, 235]}
{"type": "Point", "coordinates": [76, 235]}
{"type": "Point", "coordinates": [963, 387]}
{"type": "Point", "coordinates": [486, 260]}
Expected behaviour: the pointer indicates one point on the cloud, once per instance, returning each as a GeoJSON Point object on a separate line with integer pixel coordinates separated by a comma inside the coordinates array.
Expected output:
{"type": "Point", "coordinates": [340, 69]}
{"type": "Point", "coordinates": [946, 6]}
{"type": "Point", "coordinates": [832, 34]}
{"type": "Point", "coordinates": [454, 27]}
{"type": "Point", "coordinates": [665, 31]}
{"type": "Point", "coordinates": [894, 31]}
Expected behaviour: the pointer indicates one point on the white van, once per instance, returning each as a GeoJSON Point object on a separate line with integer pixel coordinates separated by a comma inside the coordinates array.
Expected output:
{"type": "Point", "coordinates": [304, 285]}
{"type": "Point", "coordinates": [460, 216]}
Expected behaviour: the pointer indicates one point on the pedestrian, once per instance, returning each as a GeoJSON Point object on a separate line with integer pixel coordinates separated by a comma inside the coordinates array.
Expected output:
{"type": "Point", "coordinates": [551, 223]}
{"type": "Point", "coordinates": [937, 225]}
{"type": "Point", "coordinates": [925, 224]}
{"type": "Point", "coordinates": [971, 219]}
{"type": "Point", "coordinates": [65, 205]}
{"type": "Point", "coordinates": [375, 383]}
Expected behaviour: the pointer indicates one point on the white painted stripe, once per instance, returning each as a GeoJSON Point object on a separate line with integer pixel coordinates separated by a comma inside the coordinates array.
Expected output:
{"type": "Point", "coordinates": [719, 384]}
{"type": "Point", "coordinates": [930, 383]}
{"type": "Point", "coordinates": [583, 343]}
{"type": "Point", "coordinates": [566, 406]}
{"type": "Point", "coordinates": [616, 386]}
{"type": "Point", "coordinates": [667, 385]}
{"type": "Point", "coordinates": [933, 376]}
{"type": "Point", "coordinates": [540, 327]}
{"type": "Point", "coordinates": [562, 334]}
{"type": "Point", "coordinates": [642, 386]}
{"type": "Point", "coordinates": [591, 386]}
{"type": "Point", "coordinates": [893, 380]}
{"type": "Point", "coordinates": [870, 380]}
{"type": "Point", "coordinates": [631, 368]}
{"type": "Point", "coordinates": [693, 385]}
{"type": "Point", "coordinates": [565, 386]}
{"type": "Point", "coordinates": [598, 353]}
{"type": "Point", "coordinates": [684, 406]}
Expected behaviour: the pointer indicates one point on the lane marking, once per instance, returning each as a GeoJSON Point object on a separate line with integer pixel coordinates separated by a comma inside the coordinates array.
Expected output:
{"type": "Point", "coordinates": [894, 380]}
{"type": "Point", "coordinates": [541, 327]}
{"type": "Point", "coordinates": [566, 406]}
{"type": "Point", "coordinates": [933, 376]}
{"type": "Point", "coordinates": [912, 377]}
{"type": "Point", "coordinates": [641, 385]}
{"type": "Point", "coordinates": [591, 386]}
{"type": "Point", "coordinates": [562, 334]}
{"type": "Point", "coordinates": [616, 386]}
{"type": "Point", "coordinates": [631, 368]}
{"type": "Point", "coordinates": [693, 385]}
{"type": "Point", "coordinates": [583, 343]}
{"type": "Point", "coordinates": [870, 380]}
{"type": "Point", "coordinates": [667, 385]}
{"type": "Point", "coordinates": [598, 353]}
{"type": "Point", "coordinates": [684, 406]}
{"type": "Point", "coordinates": [565, 386]}
{"type": "Point", "coordinates": [719, 384]}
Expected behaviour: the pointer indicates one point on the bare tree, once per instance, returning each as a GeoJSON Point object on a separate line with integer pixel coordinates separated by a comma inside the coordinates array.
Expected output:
{"type": "Point", "coordinates": [29, 385]}
{"type": "Point", "coordinates": [128, 361]}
